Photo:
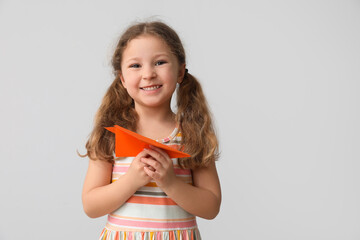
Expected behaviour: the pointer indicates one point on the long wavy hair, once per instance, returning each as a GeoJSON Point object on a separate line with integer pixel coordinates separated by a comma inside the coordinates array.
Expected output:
{"type": "Point", "coordinates": [117, 107]}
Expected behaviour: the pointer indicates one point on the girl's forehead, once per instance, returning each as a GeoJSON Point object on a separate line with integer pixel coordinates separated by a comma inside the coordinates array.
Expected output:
{"type": "Point", "coordinates": [146, 46]}
{"type": "Point", "coordinates": [147, 42]}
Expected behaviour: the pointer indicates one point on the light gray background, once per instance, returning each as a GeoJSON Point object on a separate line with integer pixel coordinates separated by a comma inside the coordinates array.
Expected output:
{"type": "Point", "coordinates": [282, 79]}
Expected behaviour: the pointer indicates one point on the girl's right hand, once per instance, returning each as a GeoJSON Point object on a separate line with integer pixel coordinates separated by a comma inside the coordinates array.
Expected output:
{"type": "Point", "coordinates": [136, 172]}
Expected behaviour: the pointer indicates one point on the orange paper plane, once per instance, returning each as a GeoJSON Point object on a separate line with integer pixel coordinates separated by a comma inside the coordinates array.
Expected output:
{"type": "Point", "coordinates": [130, 144]}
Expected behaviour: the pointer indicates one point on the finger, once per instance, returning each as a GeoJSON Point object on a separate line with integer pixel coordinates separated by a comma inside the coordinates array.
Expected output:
{"type": "Point", "coordinates": [152, 163]}
{"type": "Point", "coordinates": [143, 164]}
{"type": "Point", "coordinates": [151, 168]}
{"type": "Point", "coordinates": [157, 156]}
{"type": "Point", "coordinates": [141, 154]}
{"type": "Point", "coordinates": [167, 160]}
{"type": "Point", "coordinates": [150, 173]}
{"type": "Point", "coordinates": [161, 151]}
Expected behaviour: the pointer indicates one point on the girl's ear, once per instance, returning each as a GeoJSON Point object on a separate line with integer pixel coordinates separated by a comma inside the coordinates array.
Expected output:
{"type": "Point", "coordinates": [122, 79]}
{"type": "Point", "coordinates": [181, 72]}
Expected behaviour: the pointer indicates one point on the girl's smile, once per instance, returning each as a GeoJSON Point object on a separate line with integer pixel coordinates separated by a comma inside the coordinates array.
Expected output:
{"type": "Point", "coordinates": [151, 88]}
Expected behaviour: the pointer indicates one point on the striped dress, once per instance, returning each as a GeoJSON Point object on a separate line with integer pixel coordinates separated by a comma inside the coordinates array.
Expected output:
{"type": "Point", "coordinates": [149, 214]}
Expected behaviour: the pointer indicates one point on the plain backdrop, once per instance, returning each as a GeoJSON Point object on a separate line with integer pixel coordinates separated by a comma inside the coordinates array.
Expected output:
{"type": "Point", "coordinates": [282, 80]}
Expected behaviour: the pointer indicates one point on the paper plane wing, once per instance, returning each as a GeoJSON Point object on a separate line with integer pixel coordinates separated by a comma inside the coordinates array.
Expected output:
{"type": "Point", "coordinates": [130, 144]}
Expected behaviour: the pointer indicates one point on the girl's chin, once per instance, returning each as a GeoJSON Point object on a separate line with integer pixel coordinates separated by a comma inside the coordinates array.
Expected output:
{"type": "Point", "coordinates": [153, 104]}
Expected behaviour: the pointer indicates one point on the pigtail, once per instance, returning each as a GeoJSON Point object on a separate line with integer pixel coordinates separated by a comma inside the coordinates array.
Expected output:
{"type": "Point", "coordinates": [194, 118]}
{"type": "Point", "coordinates": [117, 107]}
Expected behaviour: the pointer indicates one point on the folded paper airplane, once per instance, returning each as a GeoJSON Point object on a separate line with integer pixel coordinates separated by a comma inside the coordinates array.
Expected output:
{"type": "Point", "coordinates": [130, 144]}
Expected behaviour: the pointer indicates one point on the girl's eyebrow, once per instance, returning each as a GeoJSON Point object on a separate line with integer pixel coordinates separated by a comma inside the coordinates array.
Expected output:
{"type": "Point", "coordinates": [131, 59]}
{"type": "Point", "coordinates": [155, 56]}
{"type": "Point", "coordinates": [161, 54]}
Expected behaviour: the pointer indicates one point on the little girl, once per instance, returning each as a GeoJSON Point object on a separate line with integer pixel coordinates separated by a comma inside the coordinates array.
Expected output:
{"type": "Point", "coordinates": [152, 196]}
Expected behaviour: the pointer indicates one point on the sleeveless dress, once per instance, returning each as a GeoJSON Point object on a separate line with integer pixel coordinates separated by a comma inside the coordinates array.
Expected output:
{"type": "Point", "coordinates": [150, 214]}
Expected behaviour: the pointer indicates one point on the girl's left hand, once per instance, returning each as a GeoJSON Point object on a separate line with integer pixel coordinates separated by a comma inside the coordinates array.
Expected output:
{"type": "Point", "coordinates": [160, 167]}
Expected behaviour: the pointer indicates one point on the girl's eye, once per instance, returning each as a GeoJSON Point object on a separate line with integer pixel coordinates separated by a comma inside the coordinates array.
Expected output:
{"type": "Point", "coordinates": [160, 63]}
{"type": "Point", "coordinates": [135, 65]}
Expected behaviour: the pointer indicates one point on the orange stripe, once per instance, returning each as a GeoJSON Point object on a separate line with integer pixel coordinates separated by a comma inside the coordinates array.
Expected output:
{"type": "Point", "coordinates": [151, 200]}
{"type": "Point", "coordinates": [153, 219]}
{"type": "Point", "coordinates": [171, 235]}
{"type": "Point", "coordinates": [105, 235]}
{"type": "Point", "coordinates": [122, 164]}
{"type": "Point", "coordinates": [151, 184]}
{"type": "Point", "coordinates": [102, 232]}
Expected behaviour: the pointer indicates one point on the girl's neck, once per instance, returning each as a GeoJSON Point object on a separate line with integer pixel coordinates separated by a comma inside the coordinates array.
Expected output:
{"type": "Point", "coordinates": [155, 123]}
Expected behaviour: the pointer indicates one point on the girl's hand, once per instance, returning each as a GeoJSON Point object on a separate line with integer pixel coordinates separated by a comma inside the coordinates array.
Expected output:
{"type": "Point", "coordinates": [159, 167]}
{"type": "Point", "coordinates": [136, 171]}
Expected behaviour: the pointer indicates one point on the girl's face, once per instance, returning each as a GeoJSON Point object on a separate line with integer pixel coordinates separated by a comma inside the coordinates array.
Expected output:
{"type": "Point", "coordinates": [150, 72]}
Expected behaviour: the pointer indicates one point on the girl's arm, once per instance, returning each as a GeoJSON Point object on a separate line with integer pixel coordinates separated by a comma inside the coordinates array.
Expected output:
{"type": "Point", "coordinates": [202, 199]}
{"type": "Point", "coordinates": [100, 196]}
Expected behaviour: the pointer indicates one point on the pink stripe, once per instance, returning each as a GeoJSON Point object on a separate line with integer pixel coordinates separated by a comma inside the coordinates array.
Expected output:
{"type": "Point", "coordinates": [179, 171]}
{"type": "Point", "coordinates": [120, 169]}
{"type": "Point", "coordinates": [144, 224]}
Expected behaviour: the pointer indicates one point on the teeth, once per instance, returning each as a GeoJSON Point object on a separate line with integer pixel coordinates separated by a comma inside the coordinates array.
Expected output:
{"type": "Point", "coordinates": [151, 88]}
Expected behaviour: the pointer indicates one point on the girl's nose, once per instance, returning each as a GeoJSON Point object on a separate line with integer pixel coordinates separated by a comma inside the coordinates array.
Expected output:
{"type": "Point", "coordinates": [148, 72]}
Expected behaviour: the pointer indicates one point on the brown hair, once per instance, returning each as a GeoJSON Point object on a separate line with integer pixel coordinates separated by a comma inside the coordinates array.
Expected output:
{"type": "Point", "coordinates": [117, 107]}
